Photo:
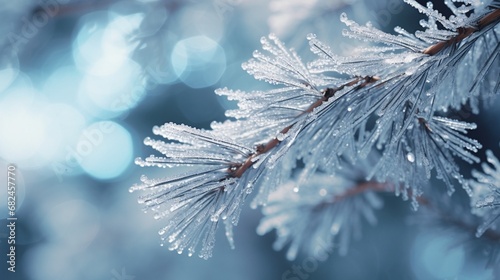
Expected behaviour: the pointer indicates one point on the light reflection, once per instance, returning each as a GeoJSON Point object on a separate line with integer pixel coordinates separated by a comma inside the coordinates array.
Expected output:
{"type": "Point", "coordinates": [60, 85]}
{"type": "Point", "coordinates": [65, 124]}
{"type": "Point", "coordinates": [87, 44]}
{"type": "Point", "coordinates": [105, 150]}
{"type": "Point", "coordinates": [24, 127]}
{"type": "Point", "coordinates": [437, 257]}
{"type": "Point", "coordinates": [199, 19]}
{"type": "Point", "coordinates": [102, 46]}
{"type": "Point", "coordinates": [109, 96]}
{"type": "Point", "coordinates": [198, 61]}
{"type": "Point", "coordinates": [9, 69]}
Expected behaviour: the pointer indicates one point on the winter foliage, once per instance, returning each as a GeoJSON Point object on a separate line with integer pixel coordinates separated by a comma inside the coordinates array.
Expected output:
{"type": "Point", "coordinates": [326, 208]}
{"type": "Point", "coordinates": [486, 194]}
{"type": "Point", "coordinates": [331, 133]}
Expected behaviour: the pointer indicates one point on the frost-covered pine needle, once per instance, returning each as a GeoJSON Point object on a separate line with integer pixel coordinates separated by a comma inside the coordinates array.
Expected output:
{"type": "Point", "coordinates": [321, 212]}
{"type": "Point", "coordinates": [486, 194]}
{"type": "Point", "coordinates": [193, 203]}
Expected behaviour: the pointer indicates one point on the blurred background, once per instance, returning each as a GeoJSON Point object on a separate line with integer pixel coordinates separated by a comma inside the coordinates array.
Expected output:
{"type": "Point", "coordinates": [82, 83]}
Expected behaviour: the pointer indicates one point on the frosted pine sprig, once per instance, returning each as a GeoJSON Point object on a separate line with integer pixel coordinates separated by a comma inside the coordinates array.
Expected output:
{"type": "Point", "coordinates": [194, 202]}
{"type": "Point", "coordinates": [486, 194]}
{"type": "Point", "coordinates": [324, 210]}
{"type": "Point", "coordinates": [226, 171]}
{"type": "Point", "coordinates": [411, 73]}
{"type": "Point", "coordinates": [439, 54]}
{"type": "Point", "coordinates": [451, 216]}
{"type": "Point", "coordinates": [427, 145]}
{"type": "Point", "coordinates": [386, 98]}
{"type": "Point", "coordinates": [269, 112]}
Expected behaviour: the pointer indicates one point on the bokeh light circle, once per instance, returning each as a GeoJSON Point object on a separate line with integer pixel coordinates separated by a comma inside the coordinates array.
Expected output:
{"type": "Point", "coordinates": [104, 150]}
{"type": "Point", "coordinates": [437, 257]}
{"type": "Point", "coordinates": [109, 96]}
{"type": "Point", "coordinates": [23, 126]}
{"type": "Point", "coordinates": [102, 44]}
{"type": "Point", "coordinates": [9, 69]}
{"type": "Point", "coordinates": [198, 61]}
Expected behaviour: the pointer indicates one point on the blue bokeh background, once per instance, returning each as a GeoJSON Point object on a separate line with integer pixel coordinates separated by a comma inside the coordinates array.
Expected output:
{"type": "Point", "coordinates": [82, 86]}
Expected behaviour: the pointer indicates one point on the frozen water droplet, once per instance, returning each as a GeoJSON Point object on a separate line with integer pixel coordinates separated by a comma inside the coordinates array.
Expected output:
{"type": "Point", "coordinates": [410, 157]}
{"type": "Point", "coordinates": [214, 218]}
{"type": "Point", "coordinates": [133, 188]}
{"type": "Point", "coordinates": [295, 189]}
{"type": "Point", "coordinates": [409, 72]}
{"type": "Point", "coordinates": [311, 36]}
{"type": "Point", "coordinates": [335, 228]}
{"type": "Point", "coordinates": [322, 192]}
{"type": "Point", "coordinates": [349, 108]}
{"type": "Point", "coordinates": [343, 17]}
{"type": "Point", "coordinates": [281, 136]}
{"type": "Point", "coordinates": [156, 130]}
{"type": "Point", "coordinates": [138, 161]}
{"type": "Point", "coordinates": [489, 199]}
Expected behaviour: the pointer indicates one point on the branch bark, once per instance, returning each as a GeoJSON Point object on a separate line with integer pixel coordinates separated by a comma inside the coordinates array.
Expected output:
{"type": "Point", "coordinates": [465, 32]}
{"type": "Point", "coordinates": [238, 169]}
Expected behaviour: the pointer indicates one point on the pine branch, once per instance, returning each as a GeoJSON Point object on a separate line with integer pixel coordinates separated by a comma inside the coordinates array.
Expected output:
{"type": "Point", "coordinates": [264, 148]}
{"type": "Point", "coordinates": [464, 32]}
{"type": "Point", "coordinates": [388, 97]}
{"type": "Point", "coordinates": [313, 214]}
{"type": "Point", "coordinates": [443, 213]}
{"type": "Point", "coordinates": [486, 194]}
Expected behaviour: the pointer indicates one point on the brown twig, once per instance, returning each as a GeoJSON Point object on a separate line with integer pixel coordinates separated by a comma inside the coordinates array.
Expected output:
{"type": "Point", "coordinates": [237, 170]}
{"type": "Point", "coordinates": [424, 201]}
{"type": "Point", "coordinates": [464, 32]}
{"type": "Point", "coordinates": [364, 187]}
